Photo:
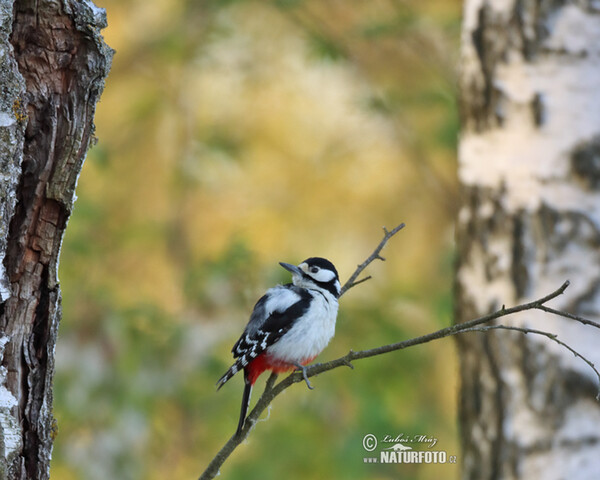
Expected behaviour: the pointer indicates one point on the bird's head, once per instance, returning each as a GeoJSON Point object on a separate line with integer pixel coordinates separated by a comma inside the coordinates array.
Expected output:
{"type": "Point", "coordinates": [315, 272]}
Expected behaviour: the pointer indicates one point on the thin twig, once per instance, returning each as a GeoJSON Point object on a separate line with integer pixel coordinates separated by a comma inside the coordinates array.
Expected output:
{"type": "Point", "coordinates": [352, 282]}
{"type": "Point", "coordinates": [577, 318]}
{"type": "Point", "coordinates": [549, 335]}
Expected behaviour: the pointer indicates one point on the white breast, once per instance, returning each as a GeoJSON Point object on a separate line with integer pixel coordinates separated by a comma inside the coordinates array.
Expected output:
{"type": "Point", "coordinates": [311, 333]}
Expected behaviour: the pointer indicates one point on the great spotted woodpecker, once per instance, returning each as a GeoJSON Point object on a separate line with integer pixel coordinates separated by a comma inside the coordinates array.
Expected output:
{"type": "Point", "coordinates": [289, 326]}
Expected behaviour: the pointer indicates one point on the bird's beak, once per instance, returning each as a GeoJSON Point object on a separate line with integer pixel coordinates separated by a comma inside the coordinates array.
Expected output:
{"type": "Point", "coordinates": [291, 268]}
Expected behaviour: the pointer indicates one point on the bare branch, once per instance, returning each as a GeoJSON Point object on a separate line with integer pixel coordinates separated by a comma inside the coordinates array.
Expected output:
{"type": "Point", "coordinates": [263, 402]}
{"type": "Point", "coordinates": [272, 390]}
{"type": "Point", "coordinates": [577, 318]}
{"type": "Point", "coordinates": [444, 332]}
{"type": "Point", "coordinates": [549, 335]}
{"type": "Point", "coordinates": [387, 234]}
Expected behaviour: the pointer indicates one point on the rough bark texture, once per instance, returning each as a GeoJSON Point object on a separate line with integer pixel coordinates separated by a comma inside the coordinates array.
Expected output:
{"type": "Point", "coordinates": [529, 165]}
{"type": "Point", "coordinates": [54, 63]}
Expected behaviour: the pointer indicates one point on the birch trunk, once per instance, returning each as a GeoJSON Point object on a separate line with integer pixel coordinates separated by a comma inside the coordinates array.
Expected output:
{"type": "Point", "coordinates": [52, 68]}
{"type": "Point", "coordinates": [529, 167]}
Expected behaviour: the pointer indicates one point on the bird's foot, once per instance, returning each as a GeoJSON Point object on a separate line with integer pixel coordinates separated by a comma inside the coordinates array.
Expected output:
{"type": "Point", "coordinates": [302, 368]}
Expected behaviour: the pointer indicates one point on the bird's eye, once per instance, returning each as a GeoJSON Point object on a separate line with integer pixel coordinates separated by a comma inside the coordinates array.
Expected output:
{"type": "Point", "coordinates": [314, 269]}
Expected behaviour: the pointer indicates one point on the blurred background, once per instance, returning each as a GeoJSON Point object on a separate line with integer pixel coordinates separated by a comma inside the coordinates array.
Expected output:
{"type": "Point", "coordinates": [233, 135]}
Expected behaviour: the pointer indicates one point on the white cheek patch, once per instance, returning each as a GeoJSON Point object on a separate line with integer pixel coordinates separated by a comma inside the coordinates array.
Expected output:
{"type": "Point", "coordinates": [323, 275]}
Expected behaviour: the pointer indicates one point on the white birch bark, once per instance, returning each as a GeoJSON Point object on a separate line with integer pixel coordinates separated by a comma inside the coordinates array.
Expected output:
{"type": "Point", "coordinates": [529, 167]}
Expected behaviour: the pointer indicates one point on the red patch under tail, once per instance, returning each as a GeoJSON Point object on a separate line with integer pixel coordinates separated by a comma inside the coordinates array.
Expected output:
{"type": "Point", "coordinates": [264, 362]}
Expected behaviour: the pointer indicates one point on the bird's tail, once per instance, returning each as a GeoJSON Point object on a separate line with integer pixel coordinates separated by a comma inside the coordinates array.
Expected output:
{"type": "Point", "coordinates": [236, 367]}
{"type": "Point", "coordinates": [245, 404]}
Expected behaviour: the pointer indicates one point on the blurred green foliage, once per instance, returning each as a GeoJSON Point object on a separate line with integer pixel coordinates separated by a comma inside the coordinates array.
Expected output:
{"type": "Point", "coordinates": [234, 135]}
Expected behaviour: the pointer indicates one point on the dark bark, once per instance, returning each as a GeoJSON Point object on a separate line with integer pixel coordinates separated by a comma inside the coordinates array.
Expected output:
{"type": "Point", "coordinates": [63, 62]}
{"type": "Point", "coordinates": [523, 30]}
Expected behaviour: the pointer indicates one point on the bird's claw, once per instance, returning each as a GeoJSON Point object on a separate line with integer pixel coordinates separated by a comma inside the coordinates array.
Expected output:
{"type": "Point", "coordinates": [302, 368]}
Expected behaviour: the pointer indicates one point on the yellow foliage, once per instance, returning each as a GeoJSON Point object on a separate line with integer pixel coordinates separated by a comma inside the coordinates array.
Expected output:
{"type": "Point", "coordinates": [231, 137]}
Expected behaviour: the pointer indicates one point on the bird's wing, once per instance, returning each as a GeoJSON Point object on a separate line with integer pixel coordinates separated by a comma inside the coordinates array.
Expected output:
{"type": "Point", "coordinates": [273, 315]}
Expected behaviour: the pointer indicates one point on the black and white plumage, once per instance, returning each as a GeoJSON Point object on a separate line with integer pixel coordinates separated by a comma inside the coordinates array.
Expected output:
{"type": "Point", "coordinates": [289, 326]}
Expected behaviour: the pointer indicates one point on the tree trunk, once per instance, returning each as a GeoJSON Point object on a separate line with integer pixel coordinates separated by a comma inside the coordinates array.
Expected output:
{"type": "Point", "coordinates": [53, 66]}
{"type": "Point", "coordinates": [529, 166]}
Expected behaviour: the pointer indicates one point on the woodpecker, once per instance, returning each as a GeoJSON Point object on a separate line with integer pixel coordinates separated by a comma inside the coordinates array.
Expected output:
{"type": "Point", "coordinates": [289, 326]}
